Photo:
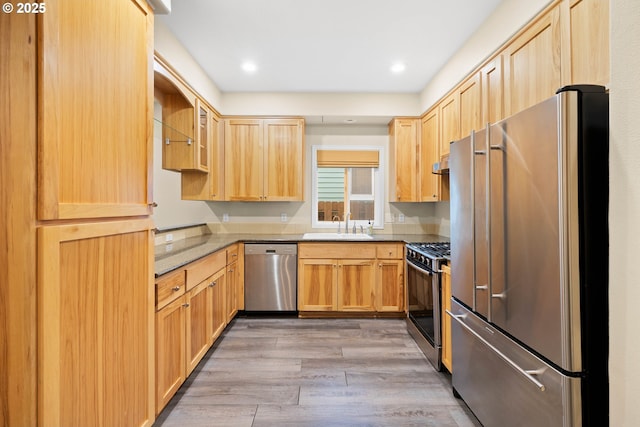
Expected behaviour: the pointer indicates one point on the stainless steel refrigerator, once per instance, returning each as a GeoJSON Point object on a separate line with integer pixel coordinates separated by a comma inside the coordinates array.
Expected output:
{"type": "Point", "coordinates": [529, 256]}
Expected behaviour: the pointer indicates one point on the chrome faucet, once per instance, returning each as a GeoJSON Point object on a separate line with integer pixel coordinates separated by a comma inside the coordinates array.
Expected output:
{"type": "Point", "coordinates": [334, 220]}
{"type": "Point", "coordinates": [346, 222]}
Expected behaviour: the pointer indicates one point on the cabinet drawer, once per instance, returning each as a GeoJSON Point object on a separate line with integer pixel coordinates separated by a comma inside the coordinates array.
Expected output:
{"type": "Point", "coordinates": [337, 250]}
{"type": "Point", "coordinates": [199, 270]}
{"type": "Point", "coordinates": [232, 254]}
{"type": "Point", "coordinates": [168, 287]}
{"type": "Point", "coordinates": [389, 251]}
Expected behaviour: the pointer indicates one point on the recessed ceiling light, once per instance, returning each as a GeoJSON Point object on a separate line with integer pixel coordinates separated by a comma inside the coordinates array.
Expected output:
{"type": "Point", "coordinates": [350, 121]}
{"type": "Point", "coordinates": [398, 67]}
{"type": "Point", "coordinates": [249, 67]}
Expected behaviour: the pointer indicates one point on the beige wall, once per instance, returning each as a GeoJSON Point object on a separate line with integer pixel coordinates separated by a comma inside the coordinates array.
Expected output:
{"type": "Point", "coordinates": [624, 224]}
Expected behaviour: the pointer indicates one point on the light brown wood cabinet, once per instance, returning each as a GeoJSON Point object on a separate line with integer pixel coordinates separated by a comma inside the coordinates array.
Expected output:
{"type": "Point", "coordinates": [532, 64]}
{"type": "Point", "coordinates": [170, 350]}
{"type": "Point", "coordinates": [96, 341]}
{"type": "Point", "coordinates": [403, 163]}
{"type": "Point", "coordinates": [492, 91]}
{"type": "Point", "coordinates": [264, 159]}
{"type": "Point", "coordinates": [218, 302]}
{"type": "Point", "coordinates": [470, 95]}
{"type": "Point", "coordinates": [186, 122]}
{"type": "Point", "coordinates": [449, 121]}
{"type": "Point", "coordinates": [429, 154]}
{"type": "Point", "coordinates": [198, 323]}
{"type": "Point", "coordinates": [361, 277]}
{"type": "Point", "coordinates": [208, 186]}
{"type": "Point", "coordinates": [589, 41]}
{"type": "Point", "coordinates": [191, 314]}
{"type": "Point", "coordinates": [446, 319]}
{"type": "Point", "coordinates": [94, 145]}
{"type": "Point", "coordinates": [390, 277]}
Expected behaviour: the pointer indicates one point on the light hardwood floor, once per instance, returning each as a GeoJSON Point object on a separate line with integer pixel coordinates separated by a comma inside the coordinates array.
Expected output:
{"type": "Point", "coordinates": [316, 372]}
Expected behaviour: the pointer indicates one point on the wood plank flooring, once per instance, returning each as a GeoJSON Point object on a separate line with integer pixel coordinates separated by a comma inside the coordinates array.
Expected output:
{"type": "Point", "coordinates": [316, 372]}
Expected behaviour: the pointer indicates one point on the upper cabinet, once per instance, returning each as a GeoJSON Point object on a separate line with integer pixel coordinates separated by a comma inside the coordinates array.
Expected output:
{"type": "Point", "coordinates": [264, 159]}
{"type": "Point", "coordinates": [532, 63]}
{"type": "Point", "coordinates": [429, 154]}
{"type": "Point", "coordinates": [209, 186]}
{"type": "Point", "coordinates": [449, 121]}
{"type": "Point", "coordinates": [403, 149]}
{"type": "Point", "coordinates": [470, 95]}
{"type": "Point", "coordinates": [589, 41]}
{"type": "Point", "coordinates": [492, 91]}
{"type": "Point", "coordinates": [95, 83]}
{"type": "Point", "coordinates": [185, 121]}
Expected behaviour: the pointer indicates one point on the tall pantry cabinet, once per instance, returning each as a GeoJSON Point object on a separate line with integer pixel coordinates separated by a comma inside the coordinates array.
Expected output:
{"type": "Point", "coordinates": [85, 326]}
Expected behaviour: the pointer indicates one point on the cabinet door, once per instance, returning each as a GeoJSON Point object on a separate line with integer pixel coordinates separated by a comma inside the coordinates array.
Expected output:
{"type": "Point", "coordinates": [429, 154]}
{"type": "Point", "coordinates": [232, 290]}
{"type": "Point", "coordinates": [532, 64]}
{"type": "Point", "coordinates": [95, 109]}
{"type": "Point", "coordinates": [284, 160]}
{"type": "Point", "coordinates": [404, 146]}
{"type": "Point", "coordinates": [243, 139]}
{"type": "Point", "coordinates": [96, 324]}
{"type": "Point", "coordinates": [390, 286]}
{"type": "Point", "coordinates": [470, 105]}
{"type": "Point", "coordinates": [317, 285]}
{"type": "Point", "coordinates": [446, 319]}
{"type": "Point", "coordinates": [208, 186]}
{"type": "Point", "coordinates": [356, 284]}
{"type": "Point", "coordinates": [449, 122]}
{"type": "Point", "coordinates": [589, 35]}
{"type": "Point", "coordinates": [492, 93]}
{"type": "Point", "coordinates": [218, 316]}
{"type": "Point", "coordinates": [170, 351]}
{"type": "Point", "coordinates": [198, 324]}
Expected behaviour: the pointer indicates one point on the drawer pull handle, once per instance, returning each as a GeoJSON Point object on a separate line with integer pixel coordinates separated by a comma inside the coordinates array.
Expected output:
{"type": "Point", "coordinates": [175, 288]}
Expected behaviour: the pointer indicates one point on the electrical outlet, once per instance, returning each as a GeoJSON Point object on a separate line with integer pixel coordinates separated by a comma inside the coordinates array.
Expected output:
{"type": "Point", "coordinates": [391, 218]}
{"type": "Point", "coordinates": [400, 217]}
{"type": "Point", "coordinates": [225, 217]}
{"type": "Point", "coordinates": [283, 217]}
{"type": "Point", "coordinates": [168, 237]}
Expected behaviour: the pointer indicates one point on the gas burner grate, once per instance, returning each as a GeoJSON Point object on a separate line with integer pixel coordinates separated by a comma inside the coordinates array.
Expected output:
{"type": "Point", "coordinates": [432, 249]}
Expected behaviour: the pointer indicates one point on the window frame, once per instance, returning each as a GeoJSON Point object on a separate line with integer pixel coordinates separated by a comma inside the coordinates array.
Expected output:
{"type": "Point", "coordinates": [378, 191]}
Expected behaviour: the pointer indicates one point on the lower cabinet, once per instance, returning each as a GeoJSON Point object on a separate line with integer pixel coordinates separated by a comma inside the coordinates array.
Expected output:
{"type": "Point", "coordinates": [390, 285]}
{"type": "Point", "coordinates": [355, 281]}
{"type": "Point", "coordinates": [95, 324]}
{"type": "Point", "coordinates": [170, 351]}
{"type": "Point", "coordinates": [189, 318]}
{"type": "Point", "coordinates": [351, 282]}
{"type": "Point", "coordinates": [198, 323]}
{"type": "Point", "coordinates": [446, 319]}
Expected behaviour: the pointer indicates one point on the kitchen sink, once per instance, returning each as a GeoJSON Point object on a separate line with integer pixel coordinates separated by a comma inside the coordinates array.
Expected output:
{"type": "Point", "coordinates": [336, 236]}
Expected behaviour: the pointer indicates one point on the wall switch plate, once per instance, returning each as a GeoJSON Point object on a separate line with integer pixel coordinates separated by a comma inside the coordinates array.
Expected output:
{"type": "Point", "coordinates": [283, 217]}
{"type": "Point", "coordinates": [225, 217]}
{"type": "Point", "coordinates": [168, 237]}
{"type": "Point", "coordinates": [400, 217]}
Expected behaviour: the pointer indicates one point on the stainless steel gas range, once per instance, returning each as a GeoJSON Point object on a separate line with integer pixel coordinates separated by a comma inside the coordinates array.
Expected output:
{"type": "Point", "coordinates": [424, 261]}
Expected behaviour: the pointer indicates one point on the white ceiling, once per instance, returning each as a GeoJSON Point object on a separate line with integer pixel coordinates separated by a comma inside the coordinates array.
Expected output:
{"type": "Point", "coordinates": [324, 45]}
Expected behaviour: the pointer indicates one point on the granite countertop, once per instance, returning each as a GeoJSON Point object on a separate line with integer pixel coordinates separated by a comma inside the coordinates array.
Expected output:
{"type": "Point", "coordinates": [176, 254]}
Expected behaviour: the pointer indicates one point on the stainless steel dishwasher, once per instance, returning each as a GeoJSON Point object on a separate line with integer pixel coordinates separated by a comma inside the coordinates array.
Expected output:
{"type": "Point", "coordinates": [270, 277]}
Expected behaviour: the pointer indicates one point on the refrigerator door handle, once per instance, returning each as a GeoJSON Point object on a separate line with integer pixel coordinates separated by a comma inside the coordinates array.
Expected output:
{"type": "Point", "coordinates": [487, 225]}
{"type": "Point", "coordinates": [529, 374]}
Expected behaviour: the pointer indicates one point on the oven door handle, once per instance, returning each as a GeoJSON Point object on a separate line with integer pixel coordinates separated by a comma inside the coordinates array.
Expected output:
{"type": "Point", "coordinates": [421, 270]}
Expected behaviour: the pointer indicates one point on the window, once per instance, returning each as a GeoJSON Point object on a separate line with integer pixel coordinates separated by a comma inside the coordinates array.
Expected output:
{"type": "Point", "coordinates": [347, 180]}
